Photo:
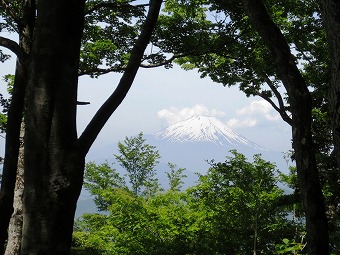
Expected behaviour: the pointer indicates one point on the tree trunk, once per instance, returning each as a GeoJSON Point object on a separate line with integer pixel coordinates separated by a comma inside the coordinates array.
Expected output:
{"type": "Point", "coordinates": [301, 106]}
{"type": "Point", "coordinates": [54, 157]}
{"type": "Point", "coordinates": [53, 163]}
{"type": "Point", "coordinates": [14, 119]}
{"type": "Point", "coordinates": [256, 225]}
{"type": "Point", "coordinates": [15, 225]}
{"type": "Point", "coordinates": [330, 10]}
{"type": "Point", "coordinates": [11, 152]}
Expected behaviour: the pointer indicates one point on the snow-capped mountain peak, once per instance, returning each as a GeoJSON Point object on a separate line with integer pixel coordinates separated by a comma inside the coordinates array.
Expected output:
{"type": "Point", "coordinates": [203, 128]}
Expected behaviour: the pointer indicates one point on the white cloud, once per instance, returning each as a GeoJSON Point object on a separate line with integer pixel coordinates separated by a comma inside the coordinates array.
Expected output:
{"type": "Point", "coordinates": [259, 109]}
{"type": "Point", "coordinates": [237, 123]}
{"type": "Point", "coordinates": [174, 115]}
{"type": "Point", "coordinates": [251, 115]}
{"type": "Point", "coordinates": [261, 106]}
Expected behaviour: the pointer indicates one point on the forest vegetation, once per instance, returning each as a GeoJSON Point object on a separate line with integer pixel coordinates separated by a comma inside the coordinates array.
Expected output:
{"type": "Point", "coordinates": [238, 207]}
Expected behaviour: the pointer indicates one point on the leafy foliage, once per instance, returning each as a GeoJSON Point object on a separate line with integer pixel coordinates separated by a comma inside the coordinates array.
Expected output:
{"type": "Point", "coordinates": [289, 247]}
{"type": "Point", "coordinates": [241, 196]}
{"type": "Point", "coordinates": [111, 29]}
{"type": "Point", "coordinates": [175, 177]}
{"type": "Point", "coordinates": [102, 181]}
{"type": "Point", "coordinates": [139, 159]}
{"type": "Point", "coordinates": [5, 102]}
{"type": "Point", "coordinates": [235, 198]}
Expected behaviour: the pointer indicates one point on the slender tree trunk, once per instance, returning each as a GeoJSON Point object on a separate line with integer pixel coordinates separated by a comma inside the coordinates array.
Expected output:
{"type": "Point", "coordinates": [11, 153]}
{"type": "Point", "coordinates": [14, 119]}
{"type": "Point", "coordinates": [301, 106]}
{"type": "Point", "coordinates": [15, 225]}
{"type": "Point", "coordinates": [256, 225]}
{"type": "Point", "coordinates": [330, 10]}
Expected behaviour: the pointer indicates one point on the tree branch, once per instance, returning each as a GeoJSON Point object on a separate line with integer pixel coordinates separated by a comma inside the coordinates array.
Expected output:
{"type": "Point", "coordinates": [106, 110]}
{"type": "Point", "coordinates": [165, 62]}
{"type": "Point", "coordinates": [113, 6]}
{"type": "Point", "coordinates": [12, 46]}
{"type": "Point", "coordinates": [281, 108]}
{"type": "Point", "coordinates": [99, 71]}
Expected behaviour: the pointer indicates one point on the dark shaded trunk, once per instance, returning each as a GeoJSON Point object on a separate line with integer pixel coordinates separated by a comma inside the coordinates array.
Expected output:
{"type": "Point", "coordinates": [301, 106]}
{"type": "Point", "coordinates": [330, 10]}
{"type": "Point", "coordinates": [53, 163]}
{"type": "Point", "coordinates": [54, 157]}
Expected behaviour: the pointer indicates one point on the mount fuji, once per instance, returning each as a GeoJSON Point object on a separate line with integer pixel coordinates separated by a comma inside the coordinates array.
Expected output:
{"type": "Point", "coordinates": [204, 129]}
{"type": "Point", "coordinates": [199, 139]}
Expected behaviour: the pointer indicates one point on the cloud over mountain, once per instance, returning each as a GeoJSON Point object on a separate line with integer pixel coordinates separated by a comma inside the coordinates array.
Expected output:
{"type": "Point", "coordinates": [174, 115]}
{"type": "Point", "coordinates": [199, 128]}
{"type": "Point", "coordinates": [251, 115]}
{"type": "Point", "coordinates": [257, 112]}
{"type": "Point", "coordinates": [191, 142]}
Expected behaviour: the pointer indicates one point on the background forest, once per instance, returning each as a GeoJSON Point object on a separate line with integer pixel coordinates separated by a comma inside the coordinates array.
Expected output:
{"type": "Point", "coordinates": [236, 208]}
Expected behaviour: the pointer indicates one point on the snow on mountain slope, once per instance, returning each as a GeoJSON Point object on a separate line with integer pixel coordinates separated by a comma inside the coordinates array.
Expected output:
{"type": "Point", "coordinates": [203, 129]}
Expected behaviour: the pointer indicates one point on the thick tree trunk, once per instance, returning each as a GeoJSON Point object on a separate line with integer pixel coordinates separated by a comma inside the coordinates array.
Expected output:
{"type": "Point", "coordinates": [54, 159]}
{"type": "Point", "coordinates": [15, 225]}
{"type": "Point", "coordinates": [53, 163]}
{"type": "Point", "coordinates": [330, 10]}
{"type": "Point", "coordinates": [301, 106]}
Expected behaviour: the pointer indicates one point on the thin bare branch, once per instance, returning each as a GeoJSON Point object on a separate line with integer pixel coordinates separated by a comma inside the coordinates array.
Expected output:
{"type": "Point", "coordinates": [99, 71]}
{"type": "Point", "coordinates": [163, 63]}
{"type": "Point", "coordinates": [113, 6]}
{"type": "Point", "coordinates": [281, 108]}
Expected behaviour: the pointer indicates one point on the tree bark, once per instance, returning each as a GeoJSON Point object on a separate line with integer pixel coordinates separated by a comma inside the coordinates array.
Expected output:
{"type": "Point", "coordinates": [330, 10]}
{"type": "Point", "coordinates": [15, 225]}
{"type": "Point", "coordinates": [53, 164]}
{"type": "Point", "coordinates": [54, 157]}
{"type": "Point", "coordinates": [14, 119]}
{"type": "Point", "coordinates": [11, 152]}
{"type": "Point", "coordinates": [301, 106]}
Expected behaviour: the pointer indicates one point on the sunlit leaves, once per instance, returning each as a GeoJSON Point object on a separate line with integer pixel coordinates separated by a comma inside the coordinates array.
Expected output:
{"type": "Point", "coordinates": [240, 198]}
{"type": "Point", "coordinates": [175, 177]}
{"type": "Point", "coordinates": [234, 199]}
{"type": "Point", "coordinates": [111, 29]}
{"type": "Point", "coordinates": [139, 160]}
{"type": "Point", "coordinates": [102, 181]}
